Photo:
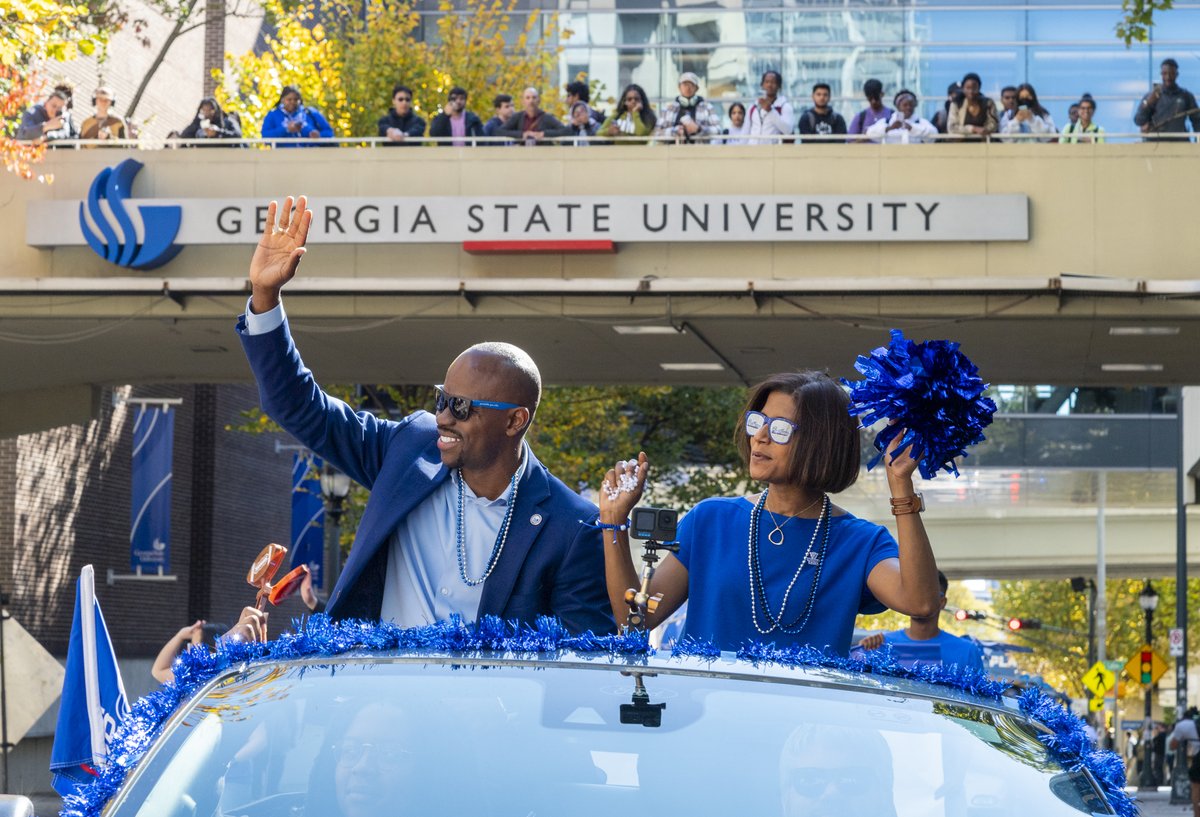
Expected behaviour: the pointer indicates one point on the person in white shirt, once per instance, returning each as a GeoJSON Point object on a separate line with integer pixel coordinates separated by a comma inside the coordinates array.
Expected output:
{"type": "Point", "coordinates": [772, 114]}
{"type": "Point", "coordinates": [904, 126]}
{"type": "Point", "coordinates": [1185, 734]}
{"type": "Point", "coordinates": [1030, 118]}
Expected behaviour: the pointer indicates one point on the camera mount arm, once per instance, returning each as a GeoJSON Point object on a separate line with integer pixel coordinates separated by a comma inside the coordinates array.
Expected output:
{"type": "Point", "coordinates": [639, 599]}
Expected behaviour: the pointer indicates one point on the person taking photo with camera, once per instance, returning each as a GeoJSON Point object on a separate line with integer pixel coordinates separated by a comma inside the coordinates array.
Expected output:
{"type": "Point", "coordinates": [784, 565]}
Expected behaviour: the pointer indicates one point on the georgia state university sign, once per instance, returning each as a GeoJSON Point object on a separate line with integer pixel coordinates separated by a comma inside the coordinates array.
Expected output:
{"type": "Point", "coordinates": [164, 226]}
{"type": "Point", "coordinates": [108, 227]}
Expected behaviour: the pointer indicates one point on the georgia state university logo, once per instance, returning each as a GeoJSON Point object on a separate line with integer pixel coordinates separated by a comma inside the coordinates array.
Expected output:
{"type": "Point", "coordinates": [160, 224]}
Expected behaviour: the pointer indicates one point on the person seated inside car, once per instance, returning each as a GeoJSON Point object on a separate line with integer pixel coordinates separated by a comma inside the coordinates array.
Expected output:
{"type": "Point", "coordinates": [828, 770]}
{"type": "Point", "coordinates": [368, 769]}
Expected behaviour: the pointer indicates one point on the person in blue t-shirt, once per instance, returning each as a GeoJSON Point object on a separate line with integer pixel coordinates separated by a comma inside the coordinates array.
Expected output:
{"type": "Point", "coordinates": [924, 631]}
{"type": "Point", "coordinates": [785, 565]}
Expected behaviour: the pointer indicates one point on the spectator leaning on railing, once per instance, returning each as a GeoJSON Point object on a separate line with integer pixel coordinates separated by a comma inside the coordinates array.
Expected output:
{"type": "Point", "coordinates": [400, 124]}
{"type": "Point", "coordinates": [772, 114]}
{"type": "Point", "coordinates": [531, 125]}
{"type": "Point", "coordinates": [291, 118]}
{"type": "Point", "coordinates": [875, 111]}
{"type": "Point", "coordinates": [579, 92]}
{"type": "Point", "coordinates": [210, 122]}
{"type": "Point", "coordinates": [46, 121]}
{"type": "Point", "coordinates": [580, 124]}
{"type": "Point", "coordinates": [905, 126]}
{"type": "Point", "coordinates": [688, 117]}
{"type": "Point", "coordinates": [1168, 107]}
{"type": "Point", "coordinates": [1031, 118]}
{"type": "Point", "coordinates": [1008, 105]}
{"type": "Point", "coordinates": [633, 117]}
{"type": "Point", "coordinates": [104, 124]}
{"type": "Point", "coordinates": [738, 128]}
{"type": "Point", "coordinates": [820, 119]}
{"type": "Point", "coordinates": [1083, 129]}
{"type": "Point", "coordinates": [455, 122]}
{"type": "Point", "coordinates": [502, 104]}
{"type": "Point", "coordinates": [941, 119]}
{"type": "Point", "coordinates": [972, 114]}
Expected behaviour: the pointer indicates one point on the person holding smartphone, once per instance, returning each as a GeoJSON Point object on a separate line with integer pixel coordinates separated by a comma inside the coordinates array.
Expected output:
{"type": "Point", "coordinates": [1168, 107]}
{"type": "Point", "coordinates": [1031, 122]}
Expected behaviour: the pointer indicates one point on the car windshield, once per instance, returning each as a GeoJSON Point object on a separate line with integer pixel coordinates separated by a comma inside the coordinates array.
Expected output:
{"type": "Point", "coordinates": [399, 737]}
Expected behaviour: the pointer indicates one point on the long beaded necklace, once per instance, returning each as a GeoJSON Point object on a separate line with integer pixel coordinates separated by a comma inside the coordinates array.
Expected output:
{"type": "Point", "coordinates": [501, 537]}
{"type": "Point", "coordinates": [758, 591]}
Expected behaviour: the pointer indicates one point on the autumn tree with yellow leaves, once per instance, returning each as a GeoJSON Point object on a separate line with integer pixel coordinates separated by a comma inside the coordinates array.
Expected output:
{"type": "Point", "coordinates": [32, 31]}
{"type": "Point", "coordinates": [345, 58]}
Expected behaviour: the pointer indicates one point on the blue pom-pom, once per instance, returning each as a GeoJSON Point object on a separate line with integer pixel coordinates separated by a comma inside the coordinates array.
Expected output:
{"type": "Point", "coordinates": [931, 392]}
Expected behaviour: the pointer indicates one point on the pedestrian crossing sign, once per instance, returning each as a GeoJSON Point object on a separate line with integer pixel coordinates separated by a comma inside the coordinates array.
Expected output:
{"type": "Point", "coordinates": [1100, 680]}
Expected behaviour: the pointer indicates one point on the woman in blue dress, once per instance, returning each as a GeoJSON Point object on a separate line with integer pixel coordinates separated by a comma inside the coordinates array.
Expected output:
{"type": "Point", "coordinates": [784, 565]}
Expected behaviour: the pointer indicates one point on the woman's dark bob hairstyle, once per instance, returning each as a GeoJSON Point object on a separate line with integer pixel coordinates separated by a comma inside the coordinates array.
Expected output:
{"type": "Point", "coordinates": [826, 448]}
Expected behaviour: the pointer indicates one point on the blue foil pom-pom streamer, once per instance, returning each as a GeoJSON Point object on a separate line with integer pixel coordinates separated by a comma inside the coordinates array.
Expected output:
{"type": "Point", "coordinates": [319, 636]}
{"type": "Point", "coordinates": [931, 392]}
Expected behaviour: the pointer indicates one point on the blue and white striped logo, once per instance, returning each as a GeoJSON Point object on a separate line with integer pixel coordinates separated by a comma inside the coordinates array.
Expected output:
{"type": "Point", "coordinates": [118, 240]}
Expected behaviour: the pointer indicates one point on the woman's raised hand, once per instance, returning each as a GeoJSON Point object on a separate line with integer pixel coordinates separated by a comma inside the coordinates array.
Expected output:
{"type": "Point", "coordinates": [903, 466]}
{"type": "Point", "coordinates": [622, 489]}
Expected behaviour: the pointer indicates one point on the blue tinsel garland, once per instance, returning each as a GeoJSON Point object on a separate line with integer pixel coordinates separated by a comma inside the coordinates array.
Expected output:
{"type": "Point", "coordinates": [931, 391]}
{"type": "Point", "coordinates": [318, 636]}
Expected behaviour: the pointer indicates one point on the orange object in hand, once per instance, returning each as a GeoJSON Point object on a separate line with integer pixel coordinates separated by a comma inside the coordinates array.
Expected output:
{"type": "Point", "coordinates": [286, 587]}
{"type": "Point", "coordinates": [263, 569]}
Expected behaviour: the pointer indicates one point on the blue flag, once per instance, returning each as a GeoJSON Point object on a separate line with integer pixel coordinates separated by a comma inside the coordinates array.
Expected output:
{"type": "Point", "coordinates": [93, 698]}
{"type": "Point", "coordinates": [308, 516]}
{"type": "Point", "coordinates": [153, 452]}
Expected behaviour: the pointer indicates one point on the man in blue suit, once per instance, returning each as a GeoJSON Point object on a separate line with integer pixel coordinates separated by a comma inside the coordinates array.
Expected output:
{"type": "Point", "coordinates": [462, 517]}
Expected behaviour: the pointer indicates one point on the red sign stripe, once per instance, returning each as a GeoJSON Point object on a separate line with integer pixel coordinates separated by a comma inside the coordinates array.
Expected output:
{"type": "Point", "coordinates": [537, 247]}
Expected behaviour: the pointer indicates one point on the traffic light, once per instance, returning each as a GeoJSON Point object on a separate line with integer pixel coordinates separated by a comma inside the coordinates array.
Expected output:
{"type": "Point", "coordinates": [1147, 667]}
{"type": "Point", "coordinates": [971, 615]}
{"type": "Point", "coordinates": [1017, 624]}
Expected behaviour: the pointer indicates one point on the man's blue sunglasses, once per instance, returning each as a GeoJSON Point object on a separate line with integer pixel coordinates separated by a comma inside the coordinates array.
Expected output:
{"type": "Point", "coordinates": [460, 407]}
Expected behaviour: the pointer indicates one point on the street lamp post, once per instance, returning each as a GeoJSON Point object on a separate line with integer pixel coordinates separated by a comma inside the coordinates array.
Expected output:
{"type": "Point", "coordinates": [1147, 600]}
{"type": "Point", "coordinates": [334, 487]}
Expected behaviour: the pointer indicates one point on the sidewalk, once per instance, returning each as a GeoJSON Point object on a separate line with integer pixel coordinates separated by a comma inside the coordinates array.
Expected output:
{"type": "Point", "coordinates": [46, 805]}
{"type": "Point", "coordinates": [1150, 804]}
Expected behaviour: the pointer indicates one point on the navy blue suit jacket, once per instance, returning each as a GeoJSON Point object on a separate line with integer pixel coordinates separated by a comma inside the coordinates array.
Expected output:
{"type": "Point", "coordinates": [552, 564]}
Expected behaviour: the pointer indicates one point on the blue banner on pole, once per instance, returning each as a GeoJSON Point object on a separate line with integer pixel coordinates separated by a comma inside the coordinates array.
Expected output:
{"type": "Point", "coordinates": [153, 453]}
{"type": "Point", "coordinates": [308, 516]}
{"type": "Point", "coordinates": [93, 703]}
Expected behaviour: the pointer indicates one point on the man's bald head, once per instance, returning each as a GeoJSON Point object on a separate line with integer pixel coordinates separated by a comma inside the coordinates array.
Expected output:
{"type": "Point", "coordinates": [510, 368]}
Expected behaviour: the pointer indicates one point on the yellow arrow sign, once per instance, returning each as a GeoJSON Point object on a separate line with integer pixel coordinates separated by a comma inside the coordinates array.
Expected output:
{"type": "Point", "coordinates": [1156, 666]}
{"type": "Point", "coordinates": [1099, 679]}
{"type": "Point", "coordinates": [1095, 704]}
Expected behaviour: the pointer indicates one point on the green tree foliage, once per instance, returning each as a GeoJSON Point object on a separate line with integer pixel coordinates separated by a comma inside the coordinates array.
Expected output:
{"type": "Point", "coordinates": [687, 433]}
{"type": "Point", "coordinates": [346, 56]}
{"type": "Point", "coordinates": [1138, 19]}
{"type": "Point", "coordinates": [1061, 657]}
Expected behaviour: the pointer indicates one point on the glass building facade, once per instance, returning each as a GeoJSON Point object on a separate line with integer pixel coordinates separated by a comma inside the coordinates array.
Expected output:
{"type": "Point", "coordinates": [1062, 49]}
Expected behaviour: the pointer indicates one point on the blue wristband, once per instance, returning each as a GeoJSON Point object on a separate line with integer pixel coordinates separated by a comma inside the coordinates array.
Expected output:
{"type": "Point", "coordinates": [605, 526]}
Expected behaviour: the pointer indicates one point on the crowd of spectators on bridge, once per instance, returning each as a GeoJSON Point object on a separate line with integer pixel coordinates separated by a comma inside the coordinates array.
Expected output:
{"type": "Point", "coordinates": [966, 114]}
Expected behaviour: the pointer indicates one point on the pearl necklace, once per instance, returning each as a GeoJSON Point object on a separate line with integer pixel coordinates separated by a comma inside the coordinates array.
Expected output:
{"type": "Point", "coordinates": [501, 537]}
{"type": "Point", "coordinates": [758, 590]}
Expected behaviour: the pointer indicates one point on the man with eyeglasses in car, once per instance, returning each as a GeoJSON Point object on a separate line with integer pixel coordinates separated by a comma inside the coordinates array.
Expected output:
{"type": "Point", "coordinates": [463, 518]}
